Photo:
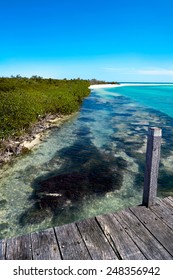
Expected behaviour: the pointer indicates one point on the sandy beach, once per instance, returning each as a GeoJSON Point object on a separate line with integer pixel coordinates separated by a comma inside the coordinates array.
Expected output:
{"type": "Point", "coordinates": [125, 85]}
{"type": "Point", "coordinates": [104, 86]}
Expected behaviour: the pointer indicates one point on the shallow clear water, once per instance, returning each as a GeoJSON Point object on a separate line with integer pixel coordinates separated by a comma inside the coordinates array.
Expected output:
{"type": "Point", "coordinates": [91, 165]}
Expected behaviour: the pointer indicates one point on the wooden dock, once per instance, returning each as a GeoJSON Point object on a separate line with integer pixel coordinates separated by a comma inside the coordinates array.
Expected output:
{"type": "Point", "coordinates": [134, 234]}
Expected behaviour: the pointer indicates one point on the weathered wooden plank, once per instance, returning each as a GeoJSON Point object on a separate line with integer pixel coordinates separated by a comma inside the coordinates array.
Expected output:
{"type": "Point", "coordinates": [72, 246]}
{"type": "Point", "coordinates": [44, 245]}
{"type": "Point", "coordinates": [169, 200]}
{"type": "Point", "coordinates": [149, 246]}
{"type": "Point", "coordinates": [168, 203]}
{"type": "Point", "coordinates": [19, 248]}
{"type": "Point", "coordinates": [95, 240]}
{"type": "Point", "coordinates": [158, 229]}
{"type": "Point", "coordinates": [2, 249]}
{"type": "Point", "coordinates": [163, 212]}
{"type": "Point", "coordinates": [121, 242]}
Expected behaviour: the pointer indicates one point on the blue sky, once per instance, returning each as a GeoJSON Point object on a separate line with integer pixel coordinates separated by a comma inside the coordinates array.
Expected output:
{"type": "Point", "coordinates": [120, 40]}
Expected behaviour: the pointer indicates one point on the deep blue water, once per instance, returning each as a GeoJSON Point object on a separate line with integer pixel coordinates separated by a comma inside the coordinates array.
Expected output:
{"type": "Point", "coordinates": [92, 164]}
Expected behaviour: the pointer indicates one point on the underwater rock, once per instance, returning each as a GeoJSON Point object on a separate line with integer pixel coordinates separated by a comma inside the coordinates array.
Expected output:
{"type": "Point", "coordinates": [3, 202]}
{"type": "Point", "coordinates": [74, 187]}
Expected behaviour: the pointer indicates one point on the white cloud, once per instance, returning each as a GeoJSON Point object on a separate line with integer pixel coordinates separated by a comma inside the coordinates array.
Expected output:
{"type": "Point", "coordinates": [135, 71]}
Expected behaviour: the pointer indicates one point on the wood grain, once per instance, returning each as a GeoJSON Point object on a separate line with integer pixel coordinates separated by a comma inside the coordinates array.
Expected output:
{"type": "Point", "coordinates": [44, 245]}
{"type": "Point", "coordinates": [19, 248]}
{"type": "Point", "coordinates": [121, 242]}
{"type": "Point", "coordinates": [2, 249]}
{"type": "Point", "coordinates": [148, 245]}
{"type": "Point", "coordinates": [71, 243]}
{"type": "Point", "coordinates": [95, 240]}
{"type": "Point", "coordinates": [156, 226]}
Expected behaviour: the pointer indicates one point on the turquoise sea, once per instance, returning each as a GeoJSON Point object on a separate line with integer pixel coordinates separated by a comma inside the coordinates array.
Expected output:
{"type": "Point", "coordinates": [92, 164]}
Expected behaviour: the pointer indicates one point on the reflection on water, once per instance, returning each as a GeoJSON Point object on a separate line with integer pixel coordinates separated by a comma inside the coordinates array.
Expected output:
{"type": "Point", "coordinates": [93, 164]}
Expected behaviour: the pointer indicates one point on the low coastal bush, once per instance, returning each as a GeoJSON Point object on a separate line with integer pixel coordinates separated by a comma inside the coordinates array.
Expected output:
{"type": "Point", "coordinates": [23, 101]}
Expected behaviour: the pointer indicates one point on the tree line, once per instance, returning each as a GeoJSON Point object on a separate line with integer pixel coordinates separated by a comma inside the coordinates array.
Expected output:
{"type": "Point", "coordinates": [24, 100]}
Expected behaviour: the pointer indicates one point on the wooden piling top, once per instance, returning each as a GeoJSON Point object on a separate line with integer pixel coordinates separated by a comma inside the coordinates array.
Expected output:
{"type": "Point", "coordinates": [154, 131]}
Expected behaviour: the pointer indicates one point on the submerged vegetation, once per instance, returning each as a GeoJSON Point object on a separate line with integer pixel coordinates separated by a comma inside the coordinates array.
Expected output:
{"type": "Point", "coordinates": [23, 101]}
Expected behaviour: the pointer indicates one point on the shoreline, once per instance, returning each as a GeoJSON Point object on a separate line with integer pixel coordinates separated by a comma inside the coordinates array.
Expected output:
{"type": "Point", "coordinates": [104, 86]}
{"type": "Point", "coordinates": [14, 147]}
{"type": "Point", "coordinates": [127, 84]}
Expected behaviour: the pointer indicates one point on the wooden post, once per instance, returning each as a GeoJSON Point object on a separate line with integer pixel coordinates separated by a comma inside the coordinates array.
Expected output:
{"type": "Point", "coordinates": [152, 166]}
